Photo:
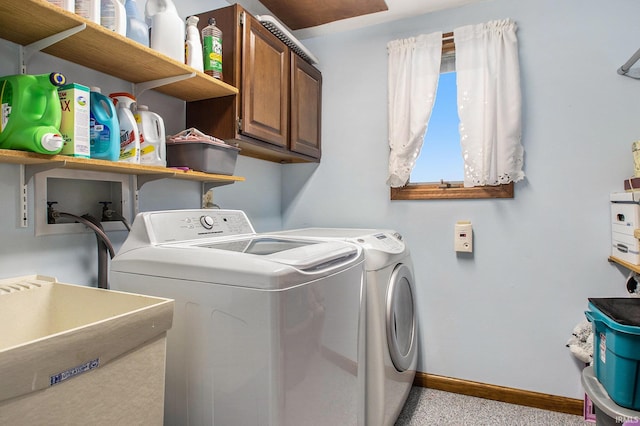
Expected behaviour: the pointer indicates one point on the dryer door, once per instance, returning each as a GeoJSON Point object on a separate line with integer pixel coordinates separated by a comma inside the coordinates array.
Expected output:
{"type": "Point", "coordinates": [401, 321]}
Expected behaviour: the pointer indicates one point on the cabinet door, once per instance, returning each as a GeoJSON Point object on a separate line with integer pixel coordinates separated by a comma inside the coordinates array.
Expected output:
{"type": "Point", "coordinates": [306, 105]}
{"type": "Point", "coordinates": [265, 85]}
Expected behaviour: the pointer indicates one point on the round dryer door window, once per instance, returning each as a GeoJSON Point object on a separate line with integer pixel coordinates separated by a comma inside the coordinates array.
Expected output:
{"type": "Point", "coordinates": [401, 321]}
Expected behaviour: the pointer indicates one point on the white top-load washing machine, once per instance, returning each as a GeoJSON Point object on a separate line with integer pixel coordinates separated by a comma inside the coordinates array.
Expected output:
{"type": "Point", "coordinates": [266, 331]}
{"type": "Point", "coordinates": [391, 322]}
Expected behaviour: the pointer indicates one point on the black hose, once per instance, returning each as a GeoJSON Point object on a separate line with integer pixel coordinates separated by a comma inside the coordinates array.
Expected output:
{"type": "Point", "coordinates": [104, 245]}
{"type": "Point", "coordinates": [99, 232]}
{"type": "Point", "coordinates": [103, 255]}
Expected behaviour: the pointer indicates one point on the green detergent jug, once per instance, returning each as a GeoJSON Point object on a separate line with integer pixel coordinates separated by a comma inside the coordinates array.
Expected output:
{"type": "Point", "coordinates": [30, 113]}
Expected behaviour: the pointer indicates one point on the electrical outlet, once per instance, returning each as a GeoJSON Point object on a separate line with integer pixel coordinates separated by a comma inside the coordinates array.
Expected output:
{"type": "Point", "coordinates": [463, 238]}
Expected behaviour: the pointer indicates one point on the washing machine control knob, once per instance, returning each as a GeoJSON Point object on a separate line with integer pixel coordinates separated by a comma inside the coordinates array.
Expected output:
{"type": "Point", "coordinates": [206, 221]}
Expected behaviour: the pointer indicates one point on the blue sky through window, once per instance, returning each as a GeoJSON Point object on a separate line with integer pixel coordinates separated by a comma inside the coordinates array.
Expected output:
{"type": "Point", "coordinates": [441, 155]}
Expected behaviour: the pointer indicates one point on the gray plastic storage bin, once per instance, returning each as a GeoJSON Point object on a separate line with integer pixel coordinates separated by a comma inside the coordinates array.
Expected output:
{"type": "Point", "coordinates": [202, 156]}
{"type": "Point", "coordinates": [608, 413]}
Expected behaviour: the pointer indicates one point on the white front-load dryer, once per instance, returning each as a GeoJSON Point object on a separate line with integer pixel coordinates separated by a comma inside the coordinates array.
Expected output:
{"type": "Point", "coordinates": [391, 329]}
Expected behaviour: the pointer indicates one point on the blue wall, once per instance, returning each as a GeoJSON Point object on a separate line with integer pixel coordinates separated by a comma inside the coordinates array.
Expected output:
{"type": "Point", "coordinates": [503, 316]}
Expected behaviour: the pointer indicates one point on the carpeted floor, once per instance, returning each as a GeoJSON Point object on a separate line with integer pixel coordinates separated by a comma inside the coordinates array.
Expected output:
{"type": "Point", "coordinates": [432, 407]}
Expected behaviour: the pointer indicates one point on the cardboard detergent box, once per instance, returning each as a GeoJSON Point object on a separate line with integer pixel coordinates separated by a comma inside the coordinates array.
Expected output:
{"type": "Point", "coordinates": [74, 127]}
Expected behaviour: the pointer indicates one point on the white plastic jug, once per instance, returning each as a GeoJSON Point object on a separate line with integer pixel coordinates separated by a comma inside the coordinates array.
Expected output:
{"type": "Point", "coordinates": [113, 16]}
{"type": "Point", "coordinates": [69, 5]}
{"type": "Point", "coordinates": [153, 148]}
{"type": "Point", "coordinates": [89, 9]}
{"type": "Point", "coordinates": [167, 28]}
{"type": "Point", "coordinates": [129, 134]}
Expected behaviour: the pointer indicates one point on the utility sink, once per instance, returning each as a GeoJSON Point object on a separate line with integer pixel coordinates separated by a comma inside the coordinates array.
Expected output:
{"type": "Point", "coordinates": [72, 354]}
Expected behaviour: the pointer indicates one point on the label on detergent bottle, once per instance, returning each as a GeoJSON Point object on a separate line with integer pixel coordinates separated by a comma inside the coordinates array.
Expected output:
{"type": "Point", "coordinates": [6, 100]}
{"type": "Point", "coordinates": [213, 55]}
{"type": "Point", "coordinates": [99, 132]}
{"type": "Point", "coordinates": [145, 148]}
{"type": "Point", "coordinates": [127, 145]}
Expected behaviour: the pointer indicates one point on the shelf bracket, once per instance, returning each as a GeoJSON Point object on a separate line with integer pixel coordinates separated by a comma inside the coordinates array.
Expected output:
{"type": "Point", "coordinates": [30, 170]}
{"type": "Point", "coordinates": [206, 186]}
{"type": "Point", "coordinates": [27, 51]}
{"type": "Point", "coordinates": [27, 172]}
{"type": "Point", "coordinates": [142, 179]}
{"type": "Point", "coordinates": [141, 87]}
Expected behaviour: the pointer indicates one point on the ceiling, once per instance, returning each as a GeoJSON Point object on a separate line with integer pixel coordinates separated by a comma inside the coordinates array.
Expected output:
{"type": "Point", "coordinates": [311, 13]}
{"type": "Point", "coordinates": [312, 18]}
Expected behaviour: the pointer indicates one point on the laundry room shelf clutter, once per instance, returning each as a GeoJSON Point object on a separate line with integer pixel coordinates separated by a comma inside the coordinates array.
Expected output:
{"type": "Point", "coordinates": [144, 173]}
{"type": "Point", "coordinates": [29, 21]}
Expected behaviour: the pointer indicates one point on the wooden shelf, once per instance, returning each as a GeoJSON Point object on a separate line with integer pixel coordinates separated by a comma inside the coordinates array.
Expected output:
{"type": "Point", "coordinates": [145, 173]}
{"type": "Point", "coordinates": [28, 21]}
{"type": "Point", "coordinates": [630, 266]}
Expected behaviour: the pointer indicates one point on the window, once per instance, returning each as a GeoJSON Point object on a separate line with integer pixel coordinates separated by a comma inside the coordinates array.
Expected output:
{"type": "Point", "coordinates": [439, 169]}
{"type": "Point", "coordinates": [441, 156]}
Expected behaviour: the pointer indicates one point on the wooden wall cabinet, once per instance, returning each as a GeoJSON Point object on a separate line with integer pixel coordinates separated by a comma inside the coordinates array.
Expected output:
{"type": "Point", "coordinates": [276, 116]}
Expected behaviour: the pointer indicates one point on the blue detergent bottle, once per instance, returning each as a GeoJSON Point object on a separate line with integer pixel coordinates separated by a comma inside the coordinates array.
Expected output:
{"type": "Point", "coordinates": [30, 113]}
{"type": "Point", "coordinates": [104, 127]}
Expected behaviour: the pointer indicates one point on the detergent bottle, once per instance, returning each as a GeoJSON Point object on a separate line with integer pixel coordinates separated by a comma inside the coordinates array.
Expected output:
{"type": "Point", "coordinates": [113, 16]}
{"type": "Point", "coordinates": [153, 149]}
{"type": "Point", "coordinates": [88, 9]}
{"type": "Point", "coordinates": [104, 127]}
{"type": "Point", "coordinates": [69, 5]}
{"type": "Point", "coordinates": [167, 28]}
{"type": "Point", "coordinates": [30, 113]}
{"type": "Point", "coordinates": [129, 134]}
{"type": "Point", "coordinates": [137, 29]}
{"type": "Point", "coordinates": [193, 45]}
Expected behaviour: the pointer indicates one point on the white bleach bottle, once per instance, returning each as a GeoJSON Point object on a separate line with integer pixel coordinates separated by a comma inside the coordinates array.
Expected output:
{"type": "Point", "coordinates": [193, 45]}
{"type": "Point", "coordinates": [167, 28]}
{"type": "Point", "coordinates": [153, 148]}
{"type": "Point", "coordinates": [129, 133]}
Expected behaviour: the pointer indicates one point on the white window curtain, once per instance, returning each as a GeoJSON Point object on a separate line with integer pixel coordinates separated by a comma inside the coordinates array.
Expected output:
{"type": "Point", "coordinates": [489, 103]}
{"type": "Point", "coordinates": [414, 70]}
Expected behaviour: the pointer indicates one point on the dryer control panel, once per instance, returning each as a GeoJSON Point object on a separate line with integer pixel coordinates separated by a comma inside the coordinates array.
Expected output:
{"type": "Point", "coordinates": [189, 225]}
{"type": "Point", "coordinates": [383, 241]}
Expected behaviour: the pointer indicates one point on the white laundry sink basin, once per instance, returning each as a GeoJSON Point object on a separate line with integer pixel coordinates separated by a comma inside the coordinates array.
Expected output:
{"type": "Point", "coordinates": [62, 345]}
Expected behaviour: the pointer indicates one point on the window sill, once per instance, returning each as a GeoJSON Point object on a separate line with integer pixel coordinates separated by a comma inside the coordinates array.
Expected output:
{"type": "Point", "coordinates": [434, 191]}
